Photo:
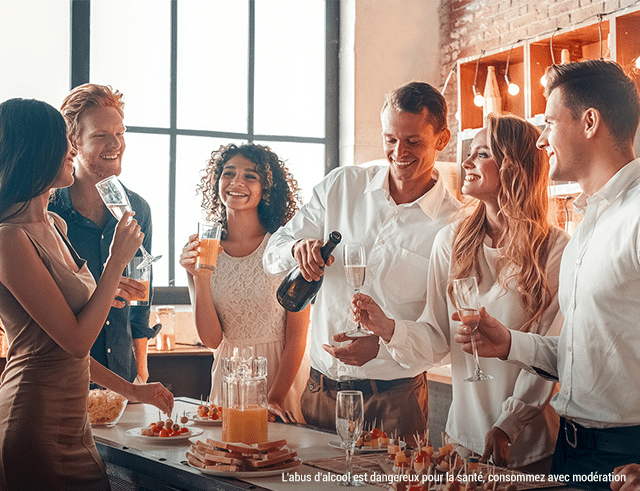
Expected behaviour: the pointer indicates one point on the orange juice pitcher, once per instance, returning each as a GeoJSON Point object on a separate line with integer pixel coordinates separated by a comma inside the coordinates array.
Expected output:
{"type": "Point", "coordinates": [244, 398]}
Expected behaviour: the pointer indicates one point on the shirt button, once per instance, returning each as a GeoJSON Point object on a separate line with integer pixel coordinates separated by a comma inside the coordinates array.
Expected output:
{"type": "Point", "coordinates": [569, 349]}
{"type": "Point", "coordinates": [578, 261]}
{"type": "Point", "coordinates": [565, 392]}
{"type": "Point", "coordinates": [109, 350]}
{"type": "Point", "coordinates": [102, 237]}
{"type": "Point", "coordinates": [381, 241]}
{"type": "Point", "coordinates": [107, 323]}
{"type": "Point", "coordinates": [104, 265]}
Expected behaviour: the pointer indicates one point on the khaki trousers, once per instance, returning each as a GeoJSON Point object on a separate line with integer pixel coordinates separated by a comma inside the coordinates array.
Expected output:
{"type": "Point", "coordinates": [403, 409]}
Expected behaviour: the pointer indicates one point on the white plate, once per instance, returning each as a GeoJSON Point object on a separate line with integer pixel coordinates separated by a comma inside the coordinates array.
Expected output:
{"type": "Point", "coordinates": [248, 474]}
{"type": "Point", "coordinates": [193, 416]}
{"type": "Point", "coordinates": [338, 444]}
{"type": "Point", "coordinates": [137, 433]}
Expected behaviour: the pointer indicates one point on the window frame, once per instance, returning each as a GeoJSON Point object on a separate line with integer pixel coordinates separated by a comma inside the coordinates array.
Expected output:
{"type": "Point", "coordinates": [80, 73]}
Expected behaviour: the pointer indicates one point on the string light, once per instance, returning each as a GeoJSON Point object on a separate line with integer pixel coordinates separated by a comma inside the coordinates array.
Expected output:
{"type": "Point", "coordinates": [446, 82]}
{"type": "Point", "coordinates": [513, 89]}
{"type": "Point", "coordinates": [478, 99]}
{"type": "Point", "coordinates": [543, 79]}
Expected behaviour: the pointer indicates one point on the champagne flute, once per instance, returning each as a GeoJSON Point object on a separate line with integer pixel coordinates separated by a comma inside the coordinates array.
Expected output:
{"type": "Point", "coordinates": [349, 418]}
{"type": "Point", "coordinates": [355, 267]}
{"type": "Point", "coordinates": [465, 297]}
{"type": "Point", "coordinates": [117, 202]}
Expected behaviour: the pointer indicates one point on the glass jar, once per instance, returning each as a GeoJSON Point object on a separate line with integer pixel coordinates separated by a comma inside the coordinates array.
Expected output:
{"type": "Point", "coordinates": [166, 338]}
{"type": "Point", "coordinates": [244, 398]}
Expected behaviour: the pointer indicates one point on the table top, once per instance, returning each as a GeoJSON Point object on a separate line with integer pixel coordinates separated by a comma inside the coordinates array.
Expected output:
{"type": "Point", "coordinates": [169, 456]}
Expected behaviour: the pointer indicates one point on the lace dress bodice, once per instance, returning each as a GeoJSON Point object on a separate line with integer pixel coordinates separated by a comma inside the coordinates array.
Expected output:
{"type": "Point", "coordinates": [245, 299]}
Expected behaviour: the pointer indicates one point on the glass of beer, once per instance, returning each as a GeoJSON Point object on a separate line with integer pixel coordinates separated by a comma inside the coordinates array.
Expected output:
{"type": "Point", "coordinates": [143, 275]}
{"type": "Point", "coordinates": [209, 236]}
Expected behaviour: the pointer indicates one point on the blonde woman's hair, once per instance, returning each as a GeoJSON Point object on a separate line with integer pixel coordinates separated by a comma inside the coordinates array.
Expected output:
{"type": "Point", "coordinates": [524, 206]}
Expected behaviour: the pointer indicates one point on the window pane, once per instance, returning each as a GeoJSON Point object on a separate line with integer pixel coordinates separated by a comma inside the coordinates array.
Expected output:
{"type": "Point", "coordinates": [304, 160]}
{"type": "Point", "coordinates": [145, 170]}
{"type": "Point", "coordinates": [213, 65]}
{"type": "Point", "coordinates": [290, 64]}
{"type": "Point", "coordinates": [34, 35]}
{"type": "Point", "coordinates": [130, 50]}
{"type": "Point", "coordinates": [193, 152]}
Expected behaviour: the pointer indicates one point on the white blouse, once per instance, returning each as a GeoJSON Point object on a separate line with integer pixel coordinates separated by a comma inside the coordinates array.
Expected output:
{"type": "Point", "coordinates": [515, 400]}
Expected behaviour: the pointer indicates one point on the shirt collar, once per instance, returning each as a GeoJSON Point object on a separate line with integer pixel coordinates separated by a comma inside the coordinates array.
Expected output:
{"type": "Point", "coordinates": [430, 202]}
{"type": "Point", "coordinates": [615, 186]}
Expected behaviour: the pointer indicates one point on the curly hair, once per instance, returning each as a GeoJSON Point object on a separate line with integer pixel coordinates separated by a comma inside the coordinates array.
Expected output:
{"type": "Point", "coordinates": [524, 205]}
{"type": "Point", "coordinates": [280, 192]}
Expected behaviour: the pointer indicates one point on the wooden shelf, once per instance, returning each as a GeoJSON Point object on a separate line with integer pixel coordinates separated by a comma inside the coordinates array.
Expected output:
{"type": "Point", "coordinates": [616, 36]}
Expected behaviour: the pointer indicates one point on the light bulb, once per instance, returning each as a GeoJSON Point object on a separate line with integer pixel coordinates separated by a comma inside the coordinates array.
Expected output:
{"type": "Point", "coordinates": [514, 89]}
{"type": "Point", "coordinates": [543, 80]}
{"type": "Point", "coordinates": [478, 100]}
{"type": "Point", "coordinates": [638, 62]}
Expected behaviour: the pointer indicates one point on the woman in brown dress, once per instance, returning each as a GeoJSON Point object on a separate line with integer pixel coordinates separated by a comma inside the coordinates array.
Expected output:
{"type": "Point", "coordinates": [52, 311]}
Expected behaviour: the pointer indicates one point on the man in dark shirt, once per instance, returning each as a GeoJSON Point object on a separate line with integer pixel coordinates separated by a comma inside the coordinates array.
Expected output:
{"type": "Point", "coordinates": [94, 116]}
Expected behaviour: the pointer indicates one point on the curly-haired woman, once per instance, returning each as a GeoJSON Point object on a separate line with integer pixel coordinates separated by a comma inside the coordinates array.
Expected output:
{"type": "Point", "coordinates": [509, 244]}
{"type": "Point", "coordinates": [250, 191]}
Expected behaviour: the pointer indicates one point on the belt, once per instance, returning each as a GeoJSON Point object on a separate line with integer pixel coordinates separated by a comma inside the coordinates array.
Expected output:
{"type": "Point", "coordinates": [366, 386]}
{"type": "Point", "coordinates": [623, 439]}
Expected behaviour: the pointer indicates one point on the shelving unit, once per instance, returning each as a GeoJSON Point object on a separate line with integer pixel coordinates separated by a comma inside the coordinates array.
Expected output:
{"type": "Point", "coordinates": [615, 37]}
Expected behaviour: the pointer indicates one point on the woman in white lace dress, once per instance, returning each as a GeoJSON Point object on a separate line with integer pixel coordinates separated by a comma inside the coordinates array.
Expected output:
{"type": "Point", "coordinates": [252, 193]}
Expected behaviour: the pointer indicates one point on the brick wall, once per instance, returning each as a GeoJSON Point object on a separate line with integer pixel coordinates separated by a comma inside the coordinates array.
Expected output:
{"type": "Point", "coordinates": [468, 26]}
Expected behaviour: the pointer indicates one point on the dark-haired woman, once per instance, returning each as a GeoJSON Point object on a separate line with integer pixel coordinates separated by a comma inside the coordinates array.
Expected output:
{"type": "Point", "coordinates": [248, 189]}
{"type": "Point", "coordinates": [52, 311]}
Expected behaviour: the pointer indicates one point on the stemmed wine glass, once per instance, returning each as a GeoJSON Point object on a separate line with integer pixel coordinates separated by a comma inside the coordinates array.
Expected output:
{"type": "Point", "coordinates": [465, 297]}
{"type": "Point", "coordinates": [355, 267]}
{"type": "Point", "coordinates": [117, 202]}
{"type": "Point", "coordinates": [349, 418]}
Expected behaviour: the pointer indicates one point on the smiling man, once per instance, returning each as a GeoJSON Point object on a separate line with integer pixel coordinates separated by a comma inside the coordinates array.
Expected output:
{"type": "Point", "coordinates": [94, 116]}
{"type": "Point", "coordinates": [395, 210]}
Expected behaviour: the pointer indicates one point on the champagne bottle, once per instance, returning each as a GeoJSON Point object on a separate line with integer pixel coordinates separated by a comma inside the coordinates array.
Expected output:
{"type": "Point", "coordinates": [295, 293]}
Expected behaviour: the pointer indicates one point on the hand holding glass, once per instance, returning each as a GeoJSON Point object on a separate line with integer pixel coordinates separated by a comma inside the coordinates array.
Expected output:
{"type": "Point", "coordinates": [465, 297]}
{"type": "Point", "coordinates": [355, 268]}
{"type": "Point", "coordinates": [209, 237]}
{"type": "Point", "coordinates": [117, 202]}
{"type": "Point", "coordinates": [349, 418]}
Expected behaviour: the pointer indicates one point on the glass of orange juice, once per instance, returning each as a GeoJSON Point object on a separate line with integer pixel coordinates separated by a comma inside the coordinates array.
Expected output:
{"type": "Point", "coordinates": [143, 275]}
{"type": "Point", "coordinates": [209, 235]}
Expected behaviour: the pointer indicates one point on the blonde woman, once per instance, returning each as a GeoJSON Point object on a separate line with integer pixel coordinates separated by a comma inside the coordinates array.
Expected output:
{"type": "Point", "coordinates": [508, 243]}
{"type": "Point", "coordinates": [249, 189]}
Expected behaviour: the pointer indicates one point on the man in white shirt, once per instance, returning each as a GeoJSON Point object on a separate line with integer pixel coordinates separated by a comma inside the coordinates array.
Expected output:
{"type": "Point", "coordinates": [591, 119]}
{"type": "Point", "coordinates": [395, 211]}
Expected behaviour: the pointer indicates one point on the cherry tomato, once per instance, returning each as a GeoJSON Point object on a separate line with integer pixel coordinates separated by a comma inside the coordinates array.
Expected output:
{"type": "Point", "coordinates": [184, 429]}
{"type": "Point", "coordinates": [164, 432]}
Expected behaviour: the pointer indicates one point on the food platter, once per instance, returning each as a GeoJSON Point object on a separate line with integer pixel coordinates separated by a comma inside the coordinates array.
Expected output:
{"type": "Point", "coordinates": [361, 450]}
{"type": "Point", "coordinates": [193, 416]}
{"type": "Point", "coordinates": [248, 474]}
{"type": "Point", "coordinates": [137, 433]}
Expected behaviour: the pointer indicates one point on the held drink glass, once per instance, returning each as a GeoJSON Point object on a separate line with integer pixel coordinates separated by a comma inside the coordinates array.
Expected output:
{"type": "Point", "coordinates": [117, 202]}
{"type": "Point", "coordinates": [465, 297]}
{"type": "Point", "coordinates": [355, 267]}
{"type": "Point", "coordinates": [209, 235]}
{"type": "Point", "coordinates": [349, 418]}
{"type": "Point", "coordinates": [141, 274]}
